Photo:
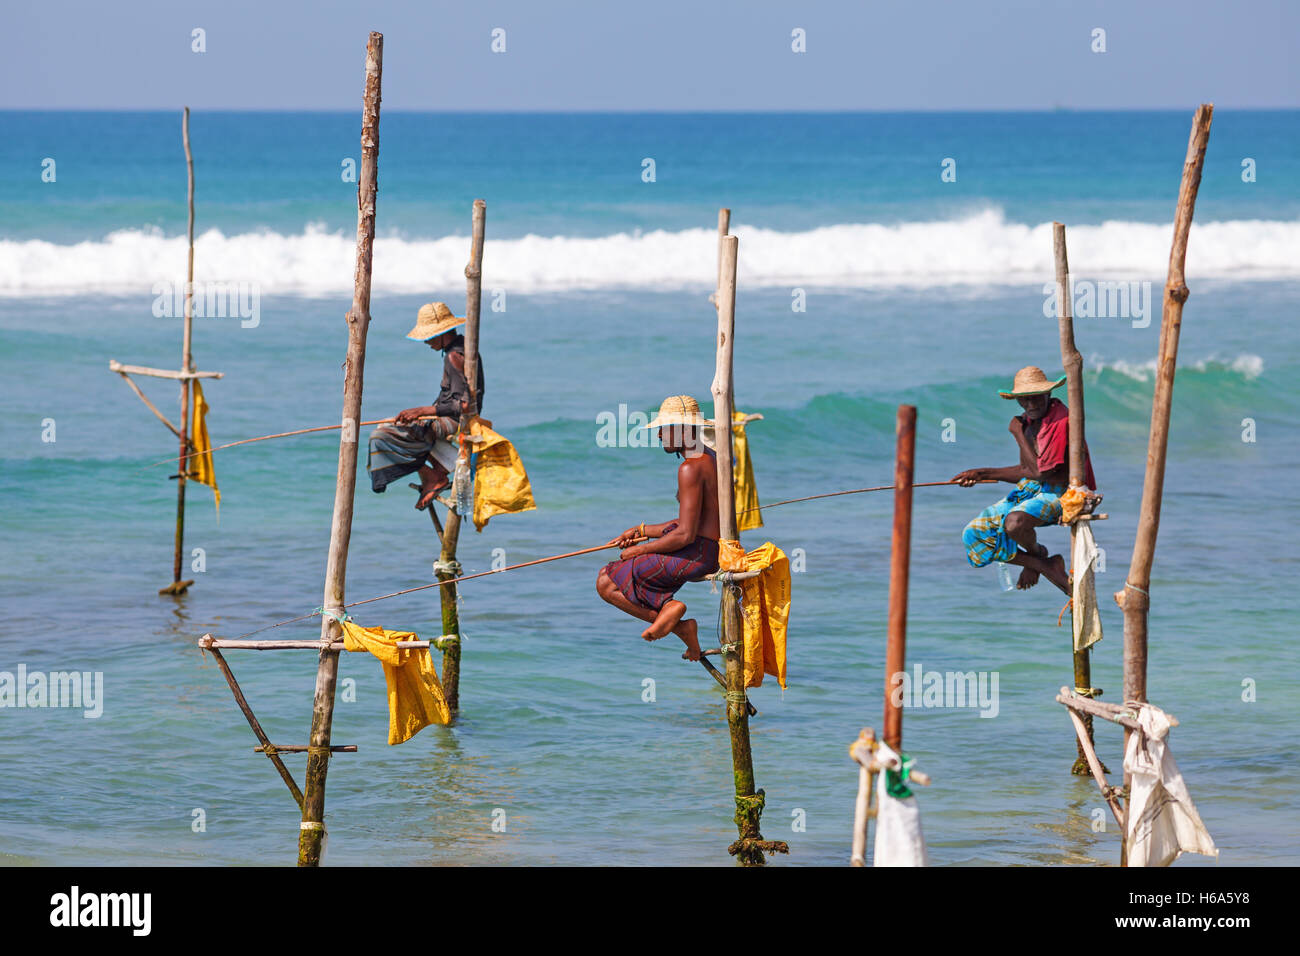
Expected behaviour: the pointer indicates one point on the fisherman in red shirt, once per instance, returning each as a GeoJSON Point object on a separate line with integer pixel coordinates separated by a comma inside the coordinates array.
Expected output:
{"type": "Point", "coordinates": [1005, 531]}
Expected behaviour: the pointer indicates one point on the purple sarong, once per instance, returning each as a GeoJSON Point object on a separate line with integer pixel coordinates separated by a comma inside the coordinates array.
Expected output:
{"type": "Point", "coordinates": [650, 580]}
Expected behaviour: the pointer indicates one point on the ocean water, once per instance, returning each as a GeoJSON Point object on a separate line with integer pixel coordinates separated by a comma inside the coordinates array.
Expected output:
{"type": "Point", "coordinates": [915, 290]}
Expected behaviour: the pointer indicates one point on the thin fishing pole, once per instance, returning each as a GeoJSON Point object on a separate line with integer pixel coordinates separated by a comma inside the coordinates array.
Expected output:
{"type": "Point", "coordinates": [438, 584]}
{"type": "Point", "coordinates": [574, 554]}
{"type": "Point", "coordinates": [300, 431]}
{"type": "Point", "coordinates": [858, 491]}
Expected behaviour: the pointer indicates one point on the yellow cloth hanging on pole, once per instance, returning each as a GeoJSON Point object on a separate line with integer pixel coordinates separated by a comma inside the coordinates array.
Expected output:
{"type": "Point", "coordinates": [748, 515]}
{"type": "Point", "coordinates": [765, 607]}
{"type": "Point", "coordinates": [500, 483]}
{"type": "Point", "coordinates": [200, 466]}
{"type": "Point", "coordinates": [415, 696]}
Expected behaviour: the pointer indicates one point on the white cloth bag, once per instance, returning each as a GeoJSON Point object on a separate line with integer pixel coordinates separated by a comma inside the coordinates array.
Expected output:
{"type": "Point", "coordinates": [899, 841]}
{"type": "Point", "coordinates": [1086, 617]}
{"type": "Point", "coordinates": [1162, 821]}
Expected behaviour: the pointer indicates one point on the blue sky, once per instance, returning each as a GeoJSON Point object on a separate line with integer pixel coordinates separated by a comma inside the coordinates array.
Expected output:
{"type": "Point", "coordinates": [657, 55]}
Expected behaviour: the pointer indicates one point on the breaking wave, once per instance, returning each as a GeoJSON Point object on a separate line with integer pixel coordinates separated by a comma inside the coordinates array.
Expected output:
{"type": "Point", "coordinates": [980, 249]}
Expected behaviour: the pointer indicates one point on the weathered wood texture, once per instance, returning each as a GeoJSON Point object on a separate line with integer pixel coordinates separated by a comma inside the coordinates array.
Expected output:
{"type": "Point", "coordinates": [899, 570]}
{"type": "Point", "coordinates": [187, 365]}
{"type": "Point", "coordinates": [750, 846]}
{"type": "Point", "coordinates": [450, 533]}
{"type": "Point", "coordinates": [1072, 362]}
{"type": "Point", "coordinates": [312, 832]}
{"type": "Point", "coordinates": [1135, 598]}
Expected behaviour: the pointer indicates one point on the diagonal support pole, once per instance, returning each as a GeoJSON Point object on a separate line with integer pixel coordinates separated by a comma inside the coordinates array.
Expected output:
{"type": "Point", "coordinates": [267, 747]}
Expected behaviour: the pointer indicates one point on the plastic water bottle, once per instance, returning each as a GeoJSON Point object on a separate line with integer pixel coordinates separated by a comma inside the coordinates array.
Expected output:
{"type": "Point", "coordinates": [1004, 577]}
{"type": "Point", "coordinates": [463, 488]}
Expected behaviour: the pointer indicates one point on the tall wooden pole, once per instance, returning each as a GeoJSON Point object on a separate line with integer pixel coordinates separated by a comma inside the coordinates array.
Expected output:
{"type": "Point", "coordinates": [1135, 597]}
{"type": "Point", "coordinates": [451, 533]}
{"type": "Point", "coordinates": [312, 832]}
{"type": "Point", "coordinates": [187, 365]}
{"type": "Point", "coordinates": [749, 848]}
{"type": "Point", "coordinates": [724, 229]}
{"type": "Point", "coordinates": [1072, 362]}
{"type": "Point", "coordinates": [899, 570]}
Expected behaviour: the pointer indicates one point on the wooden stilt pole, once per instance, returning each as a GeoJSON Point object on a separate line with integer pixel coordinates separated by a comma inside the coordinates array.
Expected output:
{"type": "Point", "coordinates": [749, 848]}
{"type": "Point", "coordinates": [187, 365]}
{"type": "Point", "coordinates": [450, 534]}
{"type": "Point", "coordinates": [1135, 598]}
{"type": "Point", "coordinates": [724, 229]}
{"type": "Point", "coordinates": [312, 832]}
{"type": "Point", "coordinates": [899, 570]}
{"type": "Point", "coordinates": [1072, 362]}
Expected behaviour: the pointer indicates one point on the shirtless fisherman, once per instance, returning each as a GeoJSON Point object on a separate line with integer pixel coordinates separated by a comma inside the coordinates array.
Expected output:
{"type": "Point", "coordinates": [407, 444]}
{"type": "Point", "coordinates": [647, 575]}
{"type": "Point", "coordinates": [1004, 531]}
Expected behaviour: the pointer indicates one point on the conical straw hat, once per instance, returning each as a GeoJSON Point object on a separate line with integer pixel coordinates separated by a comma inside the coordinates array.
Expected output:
{"type": "Point", "coordinates": [1031, 380]}
{"type": "Point", "coordinates": [679, 410]}
{"type": "Point", "coordinates": [434, 319]}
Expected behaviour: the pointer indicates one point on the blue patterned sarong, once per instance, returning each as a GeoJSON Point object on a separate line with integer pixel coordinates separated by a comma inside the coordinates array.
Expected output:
{"type": "Point", "coordinates": [984, 538]}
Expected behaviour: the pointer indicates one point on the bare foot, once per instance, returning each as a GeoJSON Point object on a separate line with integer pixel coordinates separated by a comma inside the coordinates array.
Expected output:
{"type": "Point", "coordinates": [669, 617]}
{"type": "Point", "coordinates": [688, 631]}
{"type": "Point", "coordinates": [1057, 574]}
{"type": "Point", "coordinates": [1029, 576]}
{"type": "Point", "coordinates": [428, 492]}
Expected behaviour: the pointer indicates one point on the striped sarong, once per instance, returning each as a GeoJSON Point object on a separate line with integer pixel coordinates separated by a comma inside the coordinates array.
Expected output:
{"type": "Point", "coordinates": [650, 580]}
{"type": "Point", "coordinates": [399, 450]}
{"type": "Point", "coordinates": [984, 538]}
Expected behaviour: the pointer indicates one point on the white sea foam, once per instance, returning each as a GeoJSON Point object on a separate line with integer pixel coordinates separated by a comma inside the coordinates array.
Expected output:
{"type": "Point", "coordinates": [977, 250]}
{"type": "Point", "coordinates": [1247, 365]}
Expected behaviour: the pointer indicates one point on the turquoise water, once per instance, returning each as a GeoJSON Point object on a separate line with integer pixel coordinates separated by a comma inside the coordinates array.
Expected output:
{"type": "Point", "coordinates": [554, 729]}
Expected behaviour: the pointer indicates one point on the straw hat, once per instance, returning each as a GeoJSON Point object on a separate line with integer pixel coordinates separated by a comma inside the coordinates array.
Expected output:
{"type": "Point", "coordinates": [679, 410]}
{"type": "Point", "coordinates": [1030, 380]}
{"type": "Point", "coordinates": [434, 319]}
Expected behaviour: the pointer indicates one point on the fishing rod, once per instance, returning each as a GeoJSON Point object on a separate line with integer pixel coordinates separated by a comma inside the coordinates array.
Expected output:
{"type": "Point", "coordinates": [464, 577]}
{"type": "Point", "coordinates": [300, 431]}
{"type": "Point", "coordinates": [582, 551]}
{"type": "Point", "coordinates": [858, 491]}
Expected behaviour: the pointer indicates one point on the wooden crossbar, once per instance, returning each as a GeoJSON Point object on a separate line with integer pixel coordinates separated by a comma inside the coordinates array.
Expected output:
{"type": "Point", "coordinates": [735, 575]}
{"type": "Point", "coordinates": [208, 642]}
{"type": "Point", "coordinates": [1116, 713]}
{"type": "Point", "coordinates": [116, 366]}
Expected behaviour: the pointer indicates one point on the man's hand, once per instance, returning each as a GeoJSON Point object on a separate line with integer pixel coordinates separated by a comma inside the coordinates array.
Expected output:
{"type": "Point", "coordinates": [969, 477]}
{"type": "Point", "coordinates": [627, 537]}
{"type": "Point", "coordinates": [632, 552]}
{"type": "Point", "coordinates": [1016, 427]}
{"type": "Point", "coordinates": [408, 415]}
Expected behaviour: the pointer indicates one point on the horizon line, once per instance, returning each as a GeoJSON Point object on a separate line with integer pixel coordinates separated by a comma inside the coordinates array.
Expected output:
{"type": "Point", "coordinates": [652, 111]}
